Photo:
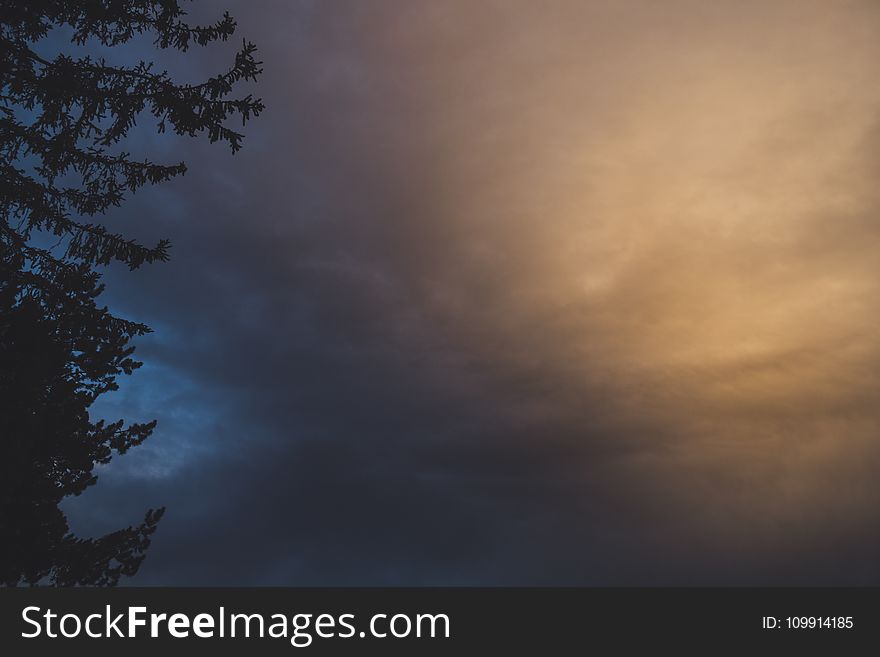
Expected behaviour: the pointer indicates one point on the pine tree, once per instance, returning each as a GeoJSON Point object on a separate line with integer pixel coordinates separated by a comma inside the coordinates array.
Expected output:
{"type": "Point", "coordinates": [62, 166]}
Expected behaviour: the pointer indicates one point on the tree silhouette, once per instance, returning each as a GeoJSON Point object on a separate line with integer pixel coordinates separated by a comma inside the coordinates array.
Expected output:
{"type": "Point", "coordinates": [62, 120]}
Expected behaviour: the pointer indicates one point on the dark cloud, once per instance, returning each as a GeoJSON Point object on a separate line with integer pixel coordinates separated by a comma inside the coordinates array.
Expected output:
{"type": "Point", "coordinates": [514, 294]}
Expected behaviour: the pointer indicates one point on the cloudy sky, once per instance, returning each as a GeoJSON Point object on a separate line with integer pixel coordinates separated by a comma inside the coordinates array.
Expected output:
{"type": "Point", "coordinates": [507, 292]}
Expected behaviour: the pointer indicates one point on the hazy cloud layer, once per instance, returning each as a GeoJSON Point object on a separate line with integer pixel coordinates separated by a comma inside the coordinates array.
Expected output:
{"type": "Point", "coordinates": [515, 292]}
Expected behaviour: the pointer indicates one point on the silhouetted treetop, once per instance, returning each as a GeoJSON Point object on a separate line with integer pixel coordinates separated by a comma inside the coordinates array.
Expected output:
{"type": "Point", "coordinates": [61, 116]}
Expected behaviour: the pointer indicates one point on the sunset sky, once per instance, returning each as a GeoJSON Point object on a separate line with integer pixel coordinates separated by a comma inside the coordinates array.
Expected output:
{"type": "Point", "coordinates": [515, 292]}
